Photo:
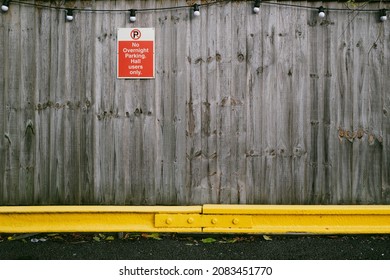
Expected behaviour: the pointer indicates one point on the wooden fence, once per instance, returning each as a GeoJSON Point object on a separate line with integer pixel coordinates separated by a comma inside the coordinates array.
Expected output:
{"type": "Point", "coordinates": [279, 107]}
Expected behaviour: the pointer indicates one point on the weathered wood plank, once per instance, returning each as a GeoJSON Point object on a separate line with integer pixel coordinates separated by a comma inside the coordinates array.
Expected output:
{"type": "Point", "coordinates": [210, 107]}
{"type": "Point", "coordinates": [55, 78]}
{"type": "Point", "coordinates": [159, 112]}
{"type": "Point", "coordinates": [202, 189]}
{"type": "Point", "coordinates": [269, 115]}
{"type": "Point", "coordinates": [300, 108]}
{"type": "Point", "coordinates": [86, 182]}
{"type": "Point", "coordinates": [344, 103]}
{"type": "Point", "coordinates": [3, 89]}
{"type": "Point", "coordinates": [238, 103]}
{"type": "Point", "coordinates": [12, 109]}
{"type": "Point", "coordinates": [316, 49]}
{"type": "Point", "coordinates": [166, 93]}
{"type": "Point", "coordinates": [330, 133]}
{"type": "Point", "coordinates": [320, 121]}
{"type": "Point", "coordinates": [375, 116]}
{"type": "Point", "coordinates": [224, 83]}
{"type": "Point", "coordinates": [181, 81]}
{"type": "Point", "coordinates": [27, 112]}
{"type": "Point", "coordinates": [360, 110]}
{"type": "Point", "coordinates": [256, 131]}
{"type": "Point", "coordinates": [283, 109]}
{"type": "Point", "coordinates": [73, 116]}
{"type": "Point", "coordinates": [253, 46]}
{"type": "Point", "coordinates": [194, 149]}
{"type": "Point", "coordinates": [150, 122]}
{"type": "Point", "coordinates": [386, 120]}
{"type": "Point", "coordinates": [98, 107]}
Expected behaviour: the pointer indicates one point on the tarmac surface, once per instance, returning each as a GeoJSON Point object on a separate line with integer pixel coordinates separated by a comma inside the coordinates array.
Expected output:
{"type": "Point", "coordinates": [154, 246]}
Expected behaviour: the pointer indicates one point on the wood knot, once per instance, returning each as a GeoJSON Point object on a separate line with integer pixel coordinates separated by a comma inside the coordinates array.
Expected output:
{"type": "Point", "coordinates": [198, 60]}
{"type": "Point", "coordinates": [349, 135]}
{"type": "Point", "coordinates": [138, 111]}
{"type": "Point", "coordinates": [360, 133]}
{"type": "Point", "coordinates": [240, 57]}
{"type": "Point", "coordinates": [259, 70]}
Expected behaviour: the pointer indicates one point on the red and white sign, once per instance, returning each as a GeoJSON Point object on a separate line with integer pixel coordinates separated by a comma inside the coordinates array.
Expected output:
{"type": "Point", "coordinates": [136, 53]}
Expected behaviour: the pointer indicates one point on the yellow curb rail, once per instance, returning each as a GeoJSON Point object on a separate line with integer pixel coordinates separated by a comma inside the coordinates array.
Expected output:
{"type": "Point", "coordinates": [87, 218]}
{"type": "Point", "coordinates": [210, 218]}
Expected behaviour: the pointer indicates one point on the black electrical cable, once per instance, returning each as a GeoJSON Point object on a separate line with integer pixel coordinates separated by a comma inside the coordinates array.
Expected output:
{"type": "Point", "coordinates": [140, 10]}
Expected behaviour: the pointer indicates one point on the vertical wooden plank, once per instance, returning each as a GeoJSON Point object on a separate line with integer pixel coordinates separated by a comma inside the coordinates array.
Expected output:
{"type": "Point", "coordinates": [158, 169]}
{"type": "Point", "coordinates": [86, 182]}
{"type": "Point", "coordinates": [300, 107]}
{"type": "Point", "coordinates": [376, 80]}
{"type": "Point", "coordinates": [67, 83]}
{"type": "Point", "coordinates": [322, 128]}
{"type": "Point", "coordinates": [159, 54]}
{"type": "Point", "coordinates": [145, 125]}
{"type": "Point", "coordinates": [210, 107]}
{"type": "Point", "coordinates": [194, 104]}
{"type": "Point", "coordinates": [26, 115]}
{"type": "Point", "coordinates": [224, 53]}
{"type": "Point", "coordinates": [167, 92]}
{"type": "Point", "coordinates": [55, 19]}
{"type": "Point", "coordinates": [386, 119]}
{"type": "Point", "coordinates": [73, 120]}
{"type": "Point", "coordinates": [360, 110]}
{"type": "Point", "coordinates": [123, 97]}
{"type": "Point", "coordinates": [268, 116]}
{"type": "Point", "coordinates": [130, 91]}
{"type": "Point", "coordinates": [110, 100]}
{"type": "Point", "coordinates": [344, 103]}
{"type": "Point", "coordinates": [330, 130]}
{"type": "Point", "coordinates": [332, 105]}
{"type": "Point", "coordinates": [316, 113]}
{"type": "Point", "coordinates": [98, 110]}
{"type": "Point", "coordinates": [12, 107]}
{"type": "Point", "coordinates": [330, 112]}
{"type": "Point", "coordinates": [238, 102]}
{"type": "Point", "coordinates": [181, 34]}
{"type": "Point", "coordinates": [106, 108]}
{"type": "Point", "coordinates": [124, 88]}
{"type": "Point", "coordinates": [254, 106]}
{"type": "Point", "coordinates": [118, 20]}
{"type": "Point", "coordinates": [4, 59]}
{"type": "Point", "coordinates": [203, 187]}
{"type": "Point", "coordinates": [283, 110]}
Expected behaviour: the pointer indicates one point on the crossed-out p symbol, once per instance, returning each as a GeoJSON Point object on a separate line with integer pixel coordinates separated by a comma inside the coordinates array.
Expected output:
{"type": "Point", "coordinates": [135, 34]}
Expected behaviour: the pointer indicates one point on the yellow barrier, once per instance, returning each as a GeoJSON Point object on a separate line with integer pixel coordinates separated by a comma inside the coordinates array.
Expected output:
{"type": "Point", "coordinates": [270, 219]}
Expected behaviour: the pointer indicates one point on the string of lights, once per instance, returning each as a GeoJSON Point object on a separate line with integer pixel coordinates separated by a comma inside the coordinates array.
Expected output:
{"type": "Point", "coordinates": [196, 8]}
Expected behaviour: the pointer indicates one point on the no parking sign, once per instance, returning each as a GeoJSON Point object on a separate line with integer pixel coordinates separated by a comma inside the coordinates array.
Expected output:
{"type": "Point", "coordinates": [136, 53]}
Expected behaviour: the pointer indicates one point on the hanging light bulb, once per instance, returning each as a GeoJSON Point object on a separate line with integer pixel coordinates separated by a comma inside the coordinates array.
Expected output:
{"type": "Point", "coordinates": [69, 15]}
{"type": "Point", "coordinates": [5, 5]}
{"type": "Point", "coordinates": [133, 18]}
{"type": "Point", "coordinates": [256, 7]}
{"type": "Point", "coordinates": [321, 12]}
{"type": "Point", "coordinates": [196, 10]}
{"type": "Point", "coordinates": [383, 15]}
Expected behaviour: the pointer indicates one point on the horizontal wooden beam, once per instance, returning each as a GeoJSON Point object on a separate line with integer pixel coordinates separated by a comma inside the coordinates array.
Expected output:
{"type": "Point", "coordinates": [270, 219]}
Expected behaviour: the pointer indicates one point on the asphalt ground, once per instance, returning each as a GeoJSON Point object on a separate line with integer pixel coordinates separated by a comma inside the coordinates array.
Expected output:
{"type": "Point", "coordinates": [154, 246]}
